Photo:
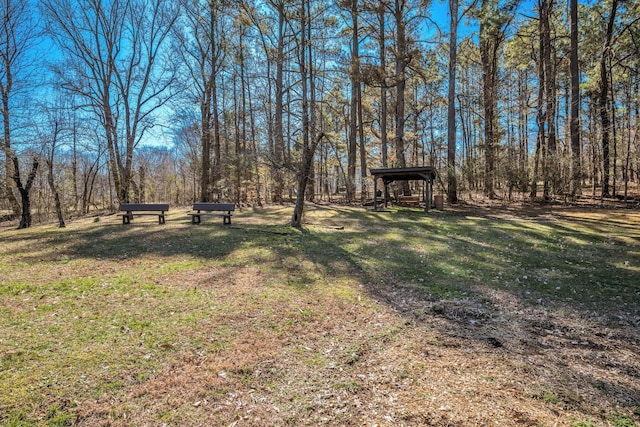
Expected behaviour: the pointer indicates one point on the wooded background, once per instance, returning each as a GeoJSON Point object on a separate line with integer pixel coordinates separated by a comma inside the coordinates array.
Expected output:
{"type": "Point", "coordinates": [264, 101]}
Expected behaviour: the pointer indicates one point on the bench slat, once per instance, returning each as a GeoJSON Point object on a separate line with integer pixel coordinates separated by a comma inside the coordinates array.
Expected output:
{"type": "Point", "coordinates": [202, 206]}
{"type": "Point", "coordinates": [144, 207]}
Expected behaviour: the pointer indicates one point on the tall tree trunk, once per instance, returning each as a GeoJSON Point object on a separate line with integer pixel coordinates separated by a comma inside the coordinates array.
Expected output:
{"type": "Point", "coordinates": [243, 159]}
{"type": "Point", "coordinates": [452, 185]}
{"type": "Point", "coordinates": [603, 101]}
{"type": "Point", "coordinates": [574, 124]}
{"type": "Point", "coordinates": [216, 168]}
{"type": "Point", "coordinates": [236, 139]}
{"type": "Point", "coordinates": [307, 155]}
{"type": "Point", "coordinates": [313, 116]}
{"type": "Point", "coordinates": [383, 87]}
{"type": "Point", "coordinates": [8, 153]}
{"type": "Point", "coordinates": [254, 150]}
{"type": "Point", "coordinates": [523, 119]}
{"type": "Point", "coordinates": [74, 166]}
{"type": "Point", "coordinates": [494, 18]}
{"type": "Point", "coordinates": [363, 149]}
{"type": "Point", "coordinates": [402, 56]}
{"type": "Point", "coordinates": [489, 59]}
{"type": "Point", "coordinates": [353, 121]}
{"type": "Point", "coordinates": [205, 144]}
{"type": "Point", "coordinates": [629, 133]}
{"type": "Point", "coordinates": [10, 52]}
{"type": "Point", "coordinates": [547, 83]}
{"type": "Point", "coordinates": [279, 151]}
{"type": "Point", "coordinates": [614, 131]}
{"type": "Point", "coordinates": [400, 83]}
{"type": "Point", "coordinates": [360, 125]}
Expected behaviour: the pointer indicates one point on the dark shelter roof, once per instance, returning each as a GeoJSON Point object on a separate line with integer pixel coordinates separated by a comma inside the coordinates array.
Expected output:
{"type": "Point", "coordinates": [426, 173]}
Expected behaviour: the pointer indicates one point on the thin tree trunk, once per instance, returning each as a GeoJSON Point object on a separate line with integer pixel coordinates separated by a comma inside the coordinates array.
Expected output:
{"type": "Point", "coordinates": [383, 87]}
{"type": "Point", "coordinates": [363, 149]}
{"type": "Point", "coordinates": [401, 83]}
{"type": "Point", "coordinates": [452, 184]}
{"type": "Point", "coordinates": [604, 101]}
{"type": "Point", "coordinates": [54, 191]}
{"type": "Point", "coordinates": [313, 117]}
{"type": "Point", "coordinates": [279, 150]}
{"type": "Point", "coordinates": [574, 125]}
{"type": "Point", "coordinates": [614, 131]}
{"type": "Point", "coordinates": [546, 117]}
{"type": "Point", "coordinates": [629, 132]}
{"type": "Point", "coordinates": [307, 156]}
{"type": "Point", "coordinates": [353, 122]}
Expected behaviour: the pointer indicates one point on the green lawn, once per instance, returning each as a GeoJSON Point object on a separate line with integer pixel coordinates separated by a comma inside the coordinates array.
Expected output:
{"type": "Point", "coordinates": [356, 319]}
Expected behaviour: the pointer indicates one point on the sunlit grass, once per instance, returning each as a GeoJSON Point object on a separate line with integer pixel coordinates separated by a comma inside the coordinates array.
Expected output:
{"type": "Point", "coordinates": [97, 307]}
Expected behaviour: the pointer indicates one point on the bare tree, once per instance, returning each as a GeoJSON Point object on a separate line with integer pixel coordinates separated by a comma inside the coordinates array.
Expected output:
{"type": "Point", "coordinates": [112, 61]}
{"type": "Point", "coordinates": [201, 44]}
{"type": "Point", "coordinates": [18, 34]}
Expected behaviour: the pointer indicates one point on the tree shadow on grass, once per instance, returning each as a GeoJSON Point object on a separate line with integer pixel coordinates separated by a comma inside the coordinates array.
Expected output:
{"type": "Point", "coordinates": [535, 292]}
{"type": "Point", "coordinates": [509, 277]}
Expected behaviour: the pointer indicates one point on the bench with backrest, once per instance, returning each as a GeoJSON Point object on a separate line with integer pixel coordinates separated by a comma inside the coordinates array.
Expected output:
{"type": "Point", "coordinates": [218, 209]}
{"type": "Point", "coordinates": [135, 209]}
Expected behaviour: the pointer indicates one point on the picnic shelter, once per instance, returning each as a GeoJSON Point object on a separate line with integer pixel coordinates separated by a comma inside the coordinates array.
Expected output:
{"type": "Point", "coordinates": [389, 175]}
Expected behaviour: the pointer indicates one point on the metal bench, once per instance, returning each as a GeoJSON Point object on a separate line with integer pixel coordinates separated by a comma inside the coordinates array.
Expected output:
{"type": "Point", "coordinates": [203, 208]}
{"type": "Point", "coordinates": [135, 209]}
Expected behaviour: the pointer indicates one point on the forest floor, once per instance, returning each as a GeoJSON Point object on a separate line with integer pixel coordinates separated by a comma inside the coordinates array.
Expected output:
{"type": "Point", "coordinates": [473, 316]}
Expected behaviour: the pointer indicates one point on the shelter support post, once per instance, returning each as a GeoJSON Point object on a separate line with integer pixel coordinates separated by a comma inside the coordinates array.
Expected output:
{"type": "Point", "coordinates": [427, 195]}
{"type": "Point", "coordinates": [375, 193]}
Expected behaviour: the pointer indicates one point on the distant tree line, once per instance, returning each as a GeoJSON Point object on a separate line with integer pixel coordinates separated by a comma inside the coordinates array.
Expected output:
{"type": "Point", "coordinates": [267, 101]}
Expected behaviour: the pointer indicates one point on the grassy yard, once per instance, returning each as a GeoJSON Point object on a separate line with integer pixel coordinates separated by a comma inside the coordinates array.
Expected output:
{"type": "Point", "coordinates": [467, 317]}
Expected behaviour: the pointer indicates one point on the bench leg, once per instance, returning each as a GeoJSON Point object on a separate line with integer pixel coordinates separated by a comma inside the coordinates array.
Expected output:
{"type": "Point", "coordinates": [226, 219]}
{"type": "Point", "coordinates": [195, 219]}
{"type": "Point", "coordinates": [161, 219]}
{"type": "Point", "coordinates": [126, 219]}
